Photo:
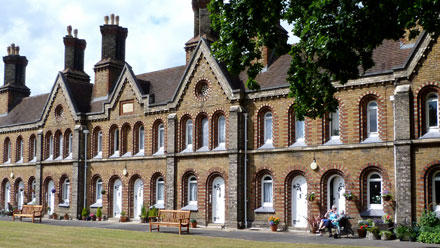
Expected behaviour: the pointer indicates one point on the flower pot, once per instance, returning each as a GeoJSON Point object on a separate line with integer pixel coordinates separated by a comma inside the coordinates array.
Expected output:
{"type": "Point", "coordinates": [123, 219]}
{"type": "Point", "coordinates": [387, 198]}
{"type": "Point", "coordinates": [362, 233]}
{"type": "Point", "coordinates": [143, 220]}
{"type": "Point", "coordinates": [274, 227]}
{"type": "Point", "coordinates": [99, 218]}
{"type": "Point", "coordinates": [385, 237]}
{"type": "Point", "coordinates": [66, 217]}
{"type": "Point", "coordinates": [94, 218]}
{"type": "Point", "coordinates": [84, 217]}
{"type": "Point", "coordinates": [194, 224]}
{"type": "Point", "coordinates": [54, 216]}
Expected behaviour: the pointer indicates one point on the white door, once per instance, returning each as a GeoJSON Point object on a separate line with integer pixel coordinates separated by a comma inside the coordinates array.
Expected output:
{"type": "Point", "coordinates": [20, 195]}
{"type": "Point", "coordinates": [117, 198]}
{"type": "Point", "coordinates": [299, 202]}
{"type": "Point", "coordinates": [51, 198]}
{"type": "Point", "coordinates": [7, 195]}
{"type": "Point", "coordinates": [138, 196]}
{"type": "Point", "coordinates": [218, 200]}
{"type": "Point", "coordinates": [336, 190]}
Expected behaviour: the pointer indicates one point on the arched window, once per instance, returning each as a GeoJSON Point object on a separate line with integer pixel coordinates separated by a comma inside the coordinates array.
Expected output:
{"type": "Point", "coordinates": [65, 192]}
{"type": "Point", "coordinates": [160, 138]}
{"type": "Point", "coordinates": [267, 191]}
{"type": "Point", "coordinates": [299, 130]}
{"type": "Point", "coordinates": [32, 149]}
{"type": "Point", "coordinates": [7, 151]}
{"type": "Point", "coordinates": [431, 109]}
{"type": "Point", "coordinates": [192, 190]}
{"type": "Point", "coordinates": [99, 144]}
{"type": "Point", "coordinates": [125, 134]}
{"type": "Point", "coordinates": [49, 146]}
{"type": "Point", "coordinates": [204, 134]}
{"type": "Point", "coordinates": [436, 190]}
{"type": "Point", "coordinates": [20, 147]}
{"type": "Point", "coordinates": [221, 131]}
{"type": "Point", "coordinates": [141, 139]}
{"type": "Point", "coordinates": [59, 145]}
{"type": "Point", "coordinates": [334, 124]}
{"type": "Point", "coordinates": [114, 144]}
{"type": "Point", "coordinates": [33, 187]}
{"type": "Point", "coordinates": [69, 142]}
{"type": "Point", "coordinates": [372, 119]}
{"type": "Point", "coordinates": [98, 195]}
{"type": "Point", "coordinates": [268, 128]}
{"type": "Point", "coordinates": [188, 135]}
{"type": "Point", "coordinates": [160, 192]}
{"type": "Point", "coordinates": [374, 191]}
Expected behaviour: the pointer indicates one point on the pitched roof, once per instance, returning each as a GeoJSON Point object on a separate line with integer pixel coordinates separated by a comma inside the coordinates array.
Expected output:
{"type": "Point", "coordinates": [28, 110]}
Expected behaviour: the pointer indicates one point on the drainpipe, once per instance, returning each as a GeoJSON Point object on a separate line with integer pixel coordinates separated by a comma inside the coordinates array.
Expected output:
{"type": "Point", "coordinates": [245, 168]}
{"type": "Point", "coordinates": [85, 166]}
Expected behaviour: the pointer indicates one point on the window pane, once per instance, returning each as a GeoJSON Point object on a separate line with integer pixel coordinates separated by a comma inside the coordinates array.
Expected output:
{"type": "Point", "coordinates": [372, 118]}
{"type": "Point", "coordinates": [334, 127]}
{"type": "Point", "coordinates": [189, 132]}
{"type": "Point", "coordinates": [160, 191]}
{"type": "Point", "coordinates": [437, 191]}
{"type": "Point", "coordinates": [432, 111]}
{"type": "Point", "coordinates": [116, 140]}
{"type": "Point", "coordinates": [161, 136]}
{"type": "Point", "coordinates": [98, 190]}
{"type": "Point", "coordinates": [267, 192]}
{"type": "Point", "coordinates": [221, 129]}
{"type": "Point", "coordinates": [70, 143]}
{"type": "Point", "coordinates": [268, 127]}
{"type": "Point", "coordinates": [375, 193]}
{"type": "Point", "coordinates": [205, 132]}
{"type": "Point", "coordinates": [100, 141]}
{"type": "Point", "coordinates": [141, 138]}
{"type": "Point", "coordinates": [299, 129]}
{"type": "Point", "coordinates": [193, 191]}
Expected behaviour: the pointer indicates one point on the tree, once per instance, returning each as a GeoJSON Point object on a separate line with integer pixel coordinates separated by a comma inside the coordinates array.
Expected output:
{"type": "Point", "coordinates": [337, 38]}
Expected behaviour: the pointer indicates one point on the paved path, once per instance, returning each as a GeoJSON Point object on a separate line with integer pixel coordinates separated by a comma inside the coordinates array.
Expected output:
{"type": "Point", "coordinates": [261, 235]}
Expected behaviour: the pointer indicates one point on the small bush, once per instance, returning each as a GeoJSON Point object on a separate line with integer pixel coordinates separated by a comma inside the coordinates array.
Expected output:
{"type": "Point", "coordinates": [153, 212]}
{"type": "Point", "coordinates": [143, 212]}
{"type": "Point", "coordinates": [429, 219]}
{"type": "Point", "coordinates": [84, 212]}
{"type": "Point", "coordinates": [99, 212]}
{"type": "Point", "coordinates": [429, 237]}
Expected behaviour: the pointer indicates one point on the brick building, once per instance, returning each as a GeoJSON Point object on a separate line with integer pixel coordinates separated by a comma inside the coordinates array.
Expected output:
{"type": "Point", "coordinates": [194, 137]}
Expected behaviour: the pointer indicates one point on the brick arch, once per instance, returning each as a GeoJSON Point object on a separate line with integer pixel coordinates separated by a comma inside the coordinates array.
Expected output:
{"type": "Point", "coordinates": [182, 130]}
{"type": "Point", "coordinates": [213, 173]}
{"type": "Point", "coordinates": [363, 174]}
{"type": "Point", "coordinates": [67, 133]}
{"type": "Point", "coordinates": [259, 125]}
{"type": "Point", "coordinates": [214, 116]}
{"type": "Point", "coordinates": [381, 108]}
{"type": "Point", "coordinates": [95, 132]}
{"type": "Point", "coordinates": [155, 134]}
{"type": "Point", "coordinates": [29, 191]}
{"type": "Point", "coordinates": [323, 183]}
{"type": "Point", "coordinates": [135, 137]}
{"type": "Point", "coordinates": [111, 182]}
{"type": "Point", "coordinates": [92, 191]}
{"type": "Point", "coordinates": [288, 191]}
{"type": "Point", "coordinates": [428, 172]}
{"type": "Point", "coordinates": [5, 149]}
{"type": "Point", "coordinates": [46, 146]}
{"type": "Point", "coordinates": [18, 148]}
{"type": "Point", "coordinates": [342, 119]}
{"type": "Point", "coordinates": [111, 137]}
{"type": "Point", "coordinates": [130, 190]}
{"type": "Point", "coordinates": [60, 188]}
{"type": "Point", "coordinates": [197, 130]}
{"type": "Point", "coordinates": [31, 146]}
{"type": "Point", "coordinates": [256, 185]}
{"type": "Point", "coordinates": [184, 185]}
{"type": "Point", "coordinates": [56, 143]}
{"type": "Point", "coordinates": [419, 111]}
{"type": "Point", "coordinates": [124, 137]}
{"type": "Point", "coordinates": [152, 194]}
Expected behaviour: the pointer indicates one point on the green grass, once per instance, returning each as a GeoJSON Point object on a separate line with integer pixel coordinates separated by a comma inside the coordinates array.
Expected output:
{"type": "Point", "coordinates": [16, 234]}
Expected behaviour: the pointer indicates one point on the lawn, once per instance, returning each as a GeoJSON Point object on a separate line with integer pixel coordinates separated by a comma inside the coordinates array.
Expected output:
{"type": "Point", "coordinates": [16, 234]}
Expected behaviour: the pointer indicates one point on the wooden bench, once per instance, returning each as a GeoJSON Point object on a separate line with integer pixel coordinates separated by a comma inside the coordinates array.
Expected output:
{"type": "Point", "coordinates": [179, 218]}
{"type": "Point", "coordinates": [29, 211]}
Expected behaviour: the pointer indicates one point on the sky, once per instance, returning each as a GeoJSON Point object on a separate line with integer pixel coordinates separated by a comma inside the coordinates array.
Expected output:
{"type": "Point", "coordinates": [157, 32]}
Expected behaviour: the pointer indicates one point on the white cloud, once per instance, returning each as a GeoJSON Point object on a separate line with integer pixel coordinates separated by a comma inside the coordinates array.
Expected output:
{"type": "Point", "coordinates": [157, 32]}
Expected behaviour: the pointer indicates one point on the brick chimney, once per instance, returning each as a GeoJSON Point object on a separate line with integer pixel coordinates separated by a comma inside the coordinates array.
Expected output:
{"type": "Point", "coordinates": [269, 55]}
{"type": "Point", "coordinates": [108, 69]}
{"type": "Point", "coordinates": [74, 57]}
{"type": "Point", "coordinates": [202, 27]}
{"type": "Point", "coordinates": [14, 87]}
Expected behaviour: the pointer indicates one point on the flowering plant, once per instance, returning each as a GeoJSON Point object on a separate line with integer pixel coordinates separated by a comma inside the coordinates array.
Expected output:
{"type": "Point", "coordinates": [386, 195]}
{"type": "Point", "coordinates": [311, 196]}
{"type": "Point", "coordinates": [274, 220]}
{"type": "Point", "coordinates": [53, 190]}
{"type": "Point", "coordinates": [387, 218]}
{"type": "Point", "coordinates": [349, 195]}
{"type": "Point", "coordinates": [92, 215]}
{"type": "Point", "coordinates": [363, 227]}
{"type": "Point", "coordinates": [365, 223]}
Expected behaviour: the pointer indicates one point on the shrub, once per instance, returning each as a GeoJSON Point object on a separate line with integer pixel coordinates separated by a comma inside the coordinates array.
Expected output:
{"type": "Point", "coordinates": [388, 234]}
{"type": "Point", "coordinates": [84, 212]}
{"type": "Point", "coordinates": [99, 212]}
{"type": "Point", "coordinates": [143, 212]}
{"type": "Point", "coordinates": [401, 231]}
{"type": "Point", "coordinates": [429, 237]}
{"type": "Point", "coordinates": [153, 212]}
{"type": "Point", "coordinates": [428, 218]}
{"type": "Point", "coordinates": [123, 213]}
{"type": "Point", "coordinates": [373, 230]}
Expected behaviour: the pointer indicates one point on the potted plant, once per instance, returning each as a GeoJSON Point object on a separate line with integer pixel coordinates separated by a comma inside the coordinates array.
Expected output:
{"type": "Point", "coordinates": [413, 232]}
{"type": "Point", "coordinates": [143, 214]}
{"type": "Point", "coordinates": [66, 217]}
{"type": "Point", "coordinates": [152, 212]}
{"type": "Point", "coordinates": [388, 219]}
{"type": "Point", "coordinates": [312, 196]}
{"type": "Point", "coordinates": [54, 216]}
{"type": "Point", "coordinates": [349, 196]}
{"type": "Point", "coordinates": [313, 223]}
{"type": "Point", "coordinates": [273, 222]}
{"type": "Point", "coordinates": [48, 210]}
{"type": "Point", "coordinates": [362, 230]}
{"type": "Point", "coordinates": [99, 214]}
{"type": "Point", "coordinates": [84, 214]}
{"type": "Point", "coordinates": [373, 233]}
{"type": "Point", "coordinates": [402, 232]}
{"type": "Point", "coordinates": [386, 235]}
{"type": "Point", "coordinates": [193, 223]}
{"type": "Point", "coordinates": [93, 217]}
{"type": "Point", "coordinates": [123, 217]}
{"type": "Point", "coordinates": [103, 192]}
{"type": "Point", "coordinates": [53, 190]}
{"type": "Point", "coordinates": [386, 195]}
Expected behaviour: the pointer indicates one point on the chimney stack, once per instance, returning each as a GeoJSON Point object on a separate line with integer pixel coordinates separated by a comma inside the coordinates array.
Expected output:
{"type": "Point", "coordinates": [14, 87]}
{"type": "Point", "coordinates": [74, 57]}
{"type": "Point", "coordinates": [108, 69]}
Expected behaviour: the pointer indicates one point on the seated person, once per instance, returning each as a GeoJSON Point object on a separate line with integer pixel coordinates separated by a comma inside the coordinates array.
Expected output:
{"type": "Point", "coordinates": [329, 218]}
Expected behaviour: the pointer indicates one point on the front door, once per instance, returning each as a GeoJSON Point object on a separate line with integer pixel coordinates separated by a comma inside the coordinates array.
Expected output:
{"type": "Point", "coordinates": [336, 192]}
{"type": "Point", "coordinates": [299, 202]}
{"type": "Point", "coordinates": [218, 200]}
{"type": "Point", "coordinates": [117, 198]}
{"type": "Point", "coordinates": [7, 195]}
{"type": "Point", "coordinates": [51, 197]}
{"type": "Point", "coordinates": [20, 195]}
{"type": "Point", "coordinates": [138, 196]}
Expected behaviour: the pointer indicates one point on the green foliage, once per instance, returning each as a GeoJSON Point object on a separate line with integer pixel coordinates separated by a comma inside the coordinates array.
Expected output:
{"type": "Point", "coordinates": [84, 212]}
{"type": "Point", "coordinates": [401, 231]}
{"type": "Point", "coordinates": [99, 212]}
{"type": "Point", "coordinates": [429, 218]}
{"type": "Point", "coordinates": [143, 212]}
{"type": "Point", "coordinates": [193, 221]}
{"type": "Point", "coordinates": [153, 212]}
{"type": "Point", "coordinates": [123, 213]}
{"type": "Point", "coordinates": [337, 39]}
{"type": "Point", "coordinates": [429, 237]}
{"type": "Point", "coordinates": [388, 234]}
{"type": "Point", "coordinates": [374, 230]}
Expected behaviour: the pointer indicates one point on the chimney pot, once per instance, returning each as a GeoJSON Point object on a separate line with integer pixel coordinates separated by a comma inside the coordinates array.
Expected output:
{"type": "Point", "coordinates": [106, 20]}
{"type": "Point", "coordinates": [69, 30]}
{"type": "Point", "coordinates": [9, 50]}
{"type": "Point", "coordinates": [17, 50]}
{"type": "Point", "coordinates": [117, 20]}
{"type": "Point", "coordinates": [112, 19]}
{"type": "Point", "coordinates": [75, 33]}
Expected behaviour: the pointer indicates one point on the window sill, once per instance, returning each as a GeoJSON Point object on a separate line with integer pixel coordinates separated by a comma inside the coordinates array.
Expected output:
{"type": "Point", "coordinates": [372, 139]}
{"type": "Point", "coordinates": [221, 147]}
{"type": "Point", "coordinates": [333, 141]}
{"type": "Point", "coordinates": [431, 134]}
{"type": "Point", "coordinates": [188, 149]}
{"type": "Point", "coordinates": [140, 154]}
{"type": "Point", "coordinates": [96, 205]}
{"type": "Point", "coordinates": [191, 207]}
{"type": "Point", "coordinates": [264, 210]}
{"type": "Point", "coordinates": [373, 213]}
{"type": "Point", "coordinates": [127, 154]}
{"type": "Point", "coordinates": [98, 156]}
{"type": "Point", "coordinates": [299, 143]}
{"type": "Point", "coordinates": [203, 149]}
{"type": "Point", "coordinates": [160, 206]}
{"type": "Point", "coordinates": [267, 146]}
{"type": "Point", "coordinates": [64, 205]}
{"type": "Point", "coordinates": [69, 157]}
{"type": "Point", "coordinates": [33, 202]}
{"type": "Point", "coordinates": [159, 152]}
{"type": "Point", "coordinates": [115, 155]}
{"type": "Point", "coordinates": [33, 160]}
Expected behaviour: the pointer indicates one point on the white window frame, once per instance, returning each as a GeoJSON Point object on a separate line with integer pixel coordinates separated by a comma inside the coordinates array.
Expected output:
{"type": "Point", "coordinates": [33, 187]}
{"type": "Point", "coordinates": [66, 191]}
{"type": "Point", "coordinates": [50, 147]}
{"type": "Point", "coordinates": [8, 151]}
{"type": "Point", "coordinates": [60, 146]}
{"type": "Point", "coordinates": [188, 134]}
{"type": "Point", "coordinates": [221, 132]}
{"type": "Point", "coordinates": [69, 145]}
{"type": "Point", "coordinates": [369, 109]}
{"type": "Point", "coordinates": [99, 144]}
{"type": "Point", "coordinates": [20, 155]}
{"type": "Point", "coordinates": [34, 148]}
{"type": "Point", "coordinates": [115, 142]}
{"type": "Point", "coordinates": [268, 128]}
{"type": "Point", "coordinates": [98, 194]}
{"type": "Point", "coordinates": [160, 137]}
{"type": "Point", "coordinates": [141, 139]}
{"type": "Point", "coordinates": [369, 179]}
{"type": "Point", "coordinates": [205, 133]}
{"type": "Point", "coordinates": [160, 181]}
{"type": "Point", "coordinates": [298, 137]}
{"type": "Point", "coordinates": [265, 181]}
{"type": "Point", "coordinates": [434, 98]}
{"type": "Point", "coordinates": [192, 180]}
{"type": "Point", "coordinates": [332, 116]}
